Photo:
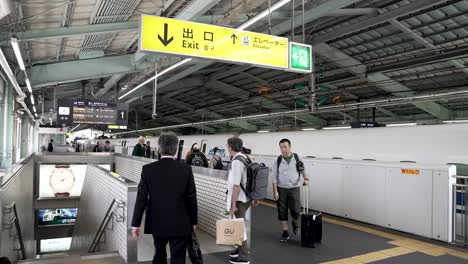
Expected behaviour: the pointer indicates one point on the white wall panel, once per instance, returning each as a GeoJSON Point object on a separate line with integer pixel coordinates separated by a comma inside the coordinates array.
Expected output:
{"type": "Point", "coordinates": [382, 144]}
{"type": "Point", "coordinates": [326, 187]}
{"type": "Point", "coordinates": [409, 201]}
{"type": "Point", "coordinates": [364, 193]}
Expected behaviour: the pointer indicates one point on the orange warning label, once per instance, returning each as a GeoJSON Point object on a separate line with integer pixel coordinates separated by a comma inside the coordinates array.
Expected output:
{"type": "Point", "coordinates": [410, 171]}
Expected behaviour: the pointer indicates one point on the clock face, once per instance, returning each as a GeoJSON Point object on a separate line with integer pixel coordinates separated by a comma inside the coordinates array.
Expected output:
{"type": "Point", "coordinates": [62, 181]}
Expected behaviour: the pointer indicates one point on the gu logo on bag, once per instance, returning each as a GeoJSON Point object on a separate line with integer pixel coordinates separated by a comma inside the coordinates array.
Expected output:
{"type": "Point", "coordinates": [228, 231]}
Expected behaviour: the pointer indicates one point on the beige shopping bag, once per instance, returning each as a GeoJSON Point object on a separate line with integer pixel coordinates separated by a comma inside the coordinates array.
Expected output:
{"type": "Point", "coordinates": [230, 232]}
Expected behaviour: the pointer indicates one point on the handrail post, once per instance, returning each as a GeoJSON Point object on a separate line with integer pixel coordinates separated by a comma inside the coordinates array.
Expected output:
{"type": "Point", "coordinates": [14, 222]}
{"type": "Point", "coordinates": [107, 217]}
{"type": "Point", "coordinates": [19, 233]}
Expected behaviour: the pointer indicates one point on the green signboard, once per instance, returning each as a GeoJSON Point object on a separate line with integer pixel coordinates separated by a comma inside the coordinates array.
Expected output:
{"type": "Point", "coordinates": [300, 57]}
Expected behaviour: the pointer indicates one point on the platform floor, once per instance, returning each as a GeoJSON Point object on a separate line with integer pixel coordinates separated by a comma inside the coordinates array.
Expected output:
{"type": "Point", "coordinates": [343, 242]}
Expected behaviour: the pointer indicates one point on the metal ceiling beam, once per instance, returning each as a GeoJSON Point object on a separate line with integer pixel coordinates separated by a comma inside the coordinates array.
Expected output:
{"type": "Point", "coordinates": [353, 12]}
{"type": "Point", "coordinates": [424, 42]}
{"type": "Point", "coordinates": [385, 17]}
{"type": "Point", "coordinates": [73, 31]}
{"type": "Point", "coordinates": [78, 70]}
{"type": "Point", "coordinates": [235, 123]}
{"type": "Point", "coordinates": [174, 119]}
{"type": "Point", "coordinates": [391, 85]}
{"type": "Point", "coordinates": [312, 14]}
{"type": "Point", "coordinates": [67, 12]}
{"type": "Point", "coordinates": [234, 70]}
{"type": "Point", "coordinates": [388, 112]}
{"type": "Point", "coordinates": [379, 79]}
{"type": "Point", "coordinates": [227, 89]}
{"type": "Point", "coordinates": [253, 78]}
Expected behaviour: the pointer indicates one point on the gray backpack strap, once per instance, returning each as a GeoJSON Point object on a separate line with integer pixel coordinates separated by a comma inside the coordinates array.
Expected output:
{"type": "Point", "coordinates": [278, 163]}
{"type": "Point", "coordinates": [246, 162]}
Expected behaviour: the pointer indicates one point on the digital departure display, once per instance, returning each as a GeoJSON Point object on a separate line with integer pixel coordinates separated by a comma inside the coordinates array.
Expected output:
{"type": "Point", "coordinates": [91, 112]}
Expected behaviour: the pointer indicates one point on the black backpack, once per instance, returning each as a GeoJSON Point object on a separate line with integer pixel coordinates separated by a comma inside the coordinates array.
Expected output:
{"type": "Point", "coordinates": [257, 179]}
{"type": "Point", "coordinates": [219, 163]}
{"type": "Point", "coordinates": [197, 161]}
{"type": "Point", "coordinates": [299, 164]}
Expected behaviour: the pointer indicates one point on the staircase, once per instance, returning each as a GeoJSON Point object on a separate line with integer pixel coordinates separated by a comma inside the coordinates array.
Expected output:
{"type": "Point", "coordinates": [97, 258]}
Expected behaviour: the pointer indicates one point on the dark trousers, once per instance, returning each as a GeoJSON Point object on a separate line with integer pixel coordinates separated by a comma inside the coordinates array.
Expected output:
{"type": "Point", "coordinates": [178, 248]}
{"type": "Point", "coordinates": [289, 199]}
{"type": "Point", "coordinates": [240, 213]}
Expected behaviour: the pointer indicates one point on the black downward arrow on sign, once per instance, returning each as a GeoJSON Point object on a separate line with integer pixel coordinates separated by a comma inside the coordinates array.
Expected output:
{"type": "Point", "coordinates": [164, 40]}
{"type": "Point", "coordinates": [234, 37]}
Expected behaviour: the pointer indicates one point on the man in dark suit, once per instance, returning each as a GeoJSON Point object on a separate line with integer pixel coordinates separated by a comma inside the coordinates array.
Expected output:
{"type": "Point", "coordinates": [167, 193]}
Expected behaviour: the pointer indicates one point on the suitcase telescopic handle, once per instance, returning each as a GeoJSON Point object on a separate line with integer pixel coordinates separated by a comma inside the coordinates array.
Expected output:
{"type": "Point", "coordinates": [306, 199]}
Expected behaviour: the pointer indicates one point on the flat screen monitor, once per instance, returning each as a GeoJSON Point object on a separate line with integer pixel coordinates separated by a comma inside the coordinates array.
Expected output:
{"type": "Point", "coordinates": [92, 112]}
{"type": "Point", "coordinates": [63, 180]}
{"type": "Point", "coordinates": [61, 216]}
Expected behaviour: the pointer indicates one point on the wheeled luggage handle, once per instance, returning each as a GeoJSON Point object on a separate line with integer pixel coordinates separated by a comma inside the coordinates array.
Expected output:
{"type": "Point", "coordinates": [306, 199]}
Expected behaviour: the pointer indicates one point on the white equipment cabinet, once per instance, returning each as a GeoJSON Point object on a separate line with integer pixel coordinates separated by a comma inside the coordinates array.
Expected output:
{"type": "Point", "coordinates": [409, 197]}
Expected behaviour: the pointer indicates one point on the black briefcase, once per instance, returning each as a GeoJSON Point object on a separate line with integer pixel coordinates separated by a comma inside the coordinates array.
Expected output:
{"type": "Point", "coordinates": [194, 252]}
{"type": "Point", "coordinates": [311, 225]}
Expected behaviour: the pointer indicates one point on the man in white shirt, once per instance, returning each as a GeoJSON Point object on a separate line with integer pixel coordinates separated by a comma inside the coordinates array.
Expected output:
{"type": "Point", "coordinates": [237, 202]}
{"type": "Point", "coordinates": [286, 177]}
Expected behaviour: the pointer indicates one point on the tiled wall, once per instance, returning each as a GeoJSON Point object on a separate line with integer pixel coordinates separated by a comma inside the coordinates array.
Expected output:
{"type": "Point", "coordinates": [211, 189]}
{"type": "Point", "coordinates": [130, 167]}
{"type": "Point", "coordinates": [211, 195]}
{"type": "Point", "coordinates": [19, 189]}
{"type": "Point", "coordinates": [75, 157]}
{"type": "Point", "coordinates": [99, 190]}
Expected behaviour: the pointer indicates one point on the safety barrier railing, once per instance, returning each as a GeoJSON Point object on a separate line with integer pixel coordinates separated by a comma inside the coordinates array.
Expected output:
{"type": "Point", "coordinates": [13, 223]}
{"type": "Point", "coordinates": [110, 214]}
{"type": "Point", "coordinates": [460, 210]}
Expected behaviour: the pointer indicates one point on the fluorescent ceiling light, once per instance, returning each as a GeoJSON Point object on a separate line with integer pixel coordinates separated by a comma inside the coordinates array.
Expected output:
{"type": "Point", "coordinates": [308, 129]}
{"type": "Point", "coordinates": [263, 14]}
{"type": "Point", "coordinates": [9, 73]}
{"type": "Point", "coordinates": [32, 99]}
{"type": "Point", "coordinates": [28, 84]}
{"type": "Point", "coordinates": [34, 108]}
{"type": "Point", "coordinates": [16, 49]}
{"type": "Point", "coordinates": [74, 128]}
{"type": "Point", "coordinates": [241, 27]}
{"type": "Point", "coordinates": [263, 131]}
{"type": "Point", "coordinates": [155, 76]}
{"type": "Point", "coordinates": [402, 124]}
{"type": "Point", "coordinates": [455, 121]}
{"type": "Point", "coordinates": [333, 128]}
{"type": "Point", "coordinates": [35, 114]}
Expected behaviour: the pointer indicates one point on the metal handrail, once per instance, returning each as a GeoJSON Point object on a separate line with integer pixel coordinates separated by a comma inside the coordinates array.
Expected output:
{"type": "Point", "coordinates": [15, 220]}
{"type": "Point", "coordinates": [460, 177]}
{"type": "Point", "coordinates": [460, 188]}
{"type": "Point", "coordinates": [102, 227]}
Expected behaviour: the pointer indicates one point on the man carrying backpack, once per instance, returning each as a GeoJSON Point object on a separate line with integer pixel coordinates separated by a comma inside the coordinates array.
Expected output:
{"type": "Point", "coordinates": [216, 160]}
{"type": "Point", "coordinates": [238, 201]}
{"type": "Point", "coordinates": [197, 158]}
{"type": "Point", "coordinates": [286, 172]}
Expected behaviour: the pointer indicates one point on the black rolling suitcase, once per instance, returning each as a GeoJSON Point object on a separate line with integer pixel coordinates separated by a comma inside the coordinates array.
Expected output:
{"type": "Point", "coordinates": [311, 224]}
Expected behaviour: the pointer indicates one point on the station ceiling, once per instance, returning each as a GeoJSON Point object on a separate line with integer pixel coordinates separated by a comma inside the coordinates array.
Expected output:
{"type": "Point", "coordinates": [366, 53]}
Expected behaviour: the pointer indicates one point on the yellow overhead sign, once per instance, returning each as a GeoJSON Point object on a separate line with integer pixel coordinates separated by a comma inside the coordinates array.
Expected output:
{"type": "Point", "coordinates": [166, 35]}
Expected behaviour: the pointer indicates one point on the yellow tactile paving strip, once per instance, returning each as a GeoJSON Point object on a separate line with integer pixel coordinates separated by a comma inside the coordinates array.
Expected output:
{"type": "Point", "coordinates": [374, 256]}
{"type": "Point", "coordinates": [404, 245]}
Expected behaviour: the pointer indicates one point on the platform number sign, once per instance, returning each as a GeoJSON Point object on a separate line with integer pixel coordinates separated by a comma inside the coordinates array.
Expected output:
{"type": "Point", "coordinates": [300, 57]}
{"type": "Point", "coordinates": [122, 115]}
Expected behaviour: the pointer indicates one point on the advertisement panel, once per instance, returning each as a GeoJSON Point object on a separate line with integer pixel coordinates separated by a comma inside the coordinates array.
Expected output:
{"type": "Point", "coordinates": [62, 216]}
{"type": "Point", "coordinates": [62, 180]}
{"type": "Point", "coordinates": [55, 245]}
